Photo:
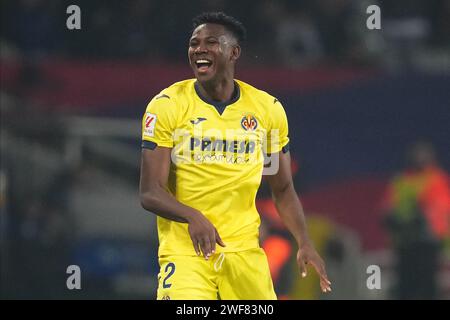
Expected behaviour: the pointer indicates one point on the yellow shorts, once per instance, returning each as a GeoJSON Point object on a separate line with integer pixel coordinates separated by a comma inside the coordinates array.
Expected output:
{"type": "Point", "coordinates": [240, 275]}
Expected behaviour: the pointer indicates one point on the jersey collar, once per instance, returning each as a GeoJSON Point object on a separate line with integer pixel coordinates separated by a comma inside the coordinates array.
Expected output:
{"type": "Point", "coordinates": [220, 106]}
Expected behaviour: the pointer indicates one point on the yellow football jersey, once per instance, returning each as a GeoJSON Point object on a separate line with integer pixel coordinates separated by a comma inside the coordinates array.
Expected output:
{"type": "Point", "coordinates": [218, 152]}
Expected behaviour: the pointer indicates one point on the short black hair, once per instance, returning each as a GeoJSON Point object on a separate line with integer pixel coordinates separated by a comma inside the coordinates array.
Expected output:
{"type": "Point", "coordinates": [231, 24]}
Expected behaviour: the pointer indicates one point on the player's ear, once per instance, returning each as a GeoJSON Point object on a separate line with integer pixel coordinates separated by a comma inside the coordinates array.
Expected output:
{"type": "Point", "coordinates": [235, 53]}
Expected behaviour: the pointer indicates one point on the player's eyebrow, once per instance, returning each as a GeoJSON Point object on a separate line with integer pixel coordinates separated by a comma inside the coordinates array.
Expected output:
{"type": "Point", "coordinates": [193, 38]}
{"type": "Point", "coordinates": [206, 38]}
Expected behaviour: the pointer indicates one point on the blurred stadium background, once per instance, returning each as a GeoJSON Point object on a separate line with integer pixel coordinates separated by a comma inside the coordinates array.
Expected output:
{"type": "Point", "coordinates": [72, 101]}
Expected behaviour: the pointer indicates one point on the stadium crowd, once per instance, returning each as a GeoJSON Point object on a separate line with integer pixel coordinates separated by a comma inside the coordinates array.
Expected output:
{"type": "Point", "coordinates": [291, 33]}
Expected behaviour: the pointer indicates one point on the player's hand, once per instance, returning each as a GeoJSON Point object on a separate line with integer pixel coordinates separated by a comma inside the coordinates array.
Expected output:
{"type": "Point", "coordinates": [204, 235]}
{"type": "Point", "coordinates": [307, 254]}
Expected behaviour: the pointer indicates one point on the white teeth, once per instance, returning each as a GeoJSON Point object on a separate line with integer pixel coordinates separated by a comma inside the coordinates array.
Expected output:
{"type": "Point", "coordinates": [202, 61]}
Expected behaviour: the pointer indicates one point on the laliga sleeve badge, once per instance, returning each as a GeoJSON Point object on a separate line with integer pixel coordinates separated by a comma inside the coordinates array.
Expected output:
{"type": "Point", "coordinates": [149, 124]}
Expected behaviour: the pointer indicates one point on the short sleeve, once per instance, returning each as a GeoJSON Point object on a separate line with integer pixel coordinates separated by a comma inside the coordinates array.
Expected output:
{"type": "Point", "coordinates": [159, 122]}
{"type": "Point", "coordinates": [277, 135]}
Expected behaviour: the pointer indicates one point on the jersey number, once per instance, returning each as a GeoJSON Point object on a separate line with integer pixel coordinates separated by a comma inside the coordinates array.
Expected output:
{"type": "Point", "coordinates": [170, 266]}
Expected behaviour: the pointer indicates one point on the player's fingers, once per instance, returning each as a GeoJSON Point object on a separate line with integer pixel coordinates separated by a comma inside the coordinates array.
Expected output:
{"type": "Point", "coordinates": [325, 278]}
{"type": "Point", "coordinates": [219, 240]}
{"type": "Point", "coordinates": [320, 268]}
{"type": "Point", "coordinates": [301, 265]}
{"type": "Point", "coordinates": [324, 282]}
{"type": "Point", "coordinates": [196, 246]}
{"type": "Point", "coordinates": [201, 244]}
{"type": "Point", "coordinates": [213, 241]}
{"type": "Point", "coordinates": [325, 286]}
{"type": "Point", "coordinates": [206, 248]}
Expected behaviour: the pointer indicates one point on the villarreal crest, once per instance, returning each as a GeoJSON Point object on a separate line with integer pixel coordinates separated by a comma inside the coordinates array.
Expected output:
{"type": "Point", "coordinates": [249, 123]}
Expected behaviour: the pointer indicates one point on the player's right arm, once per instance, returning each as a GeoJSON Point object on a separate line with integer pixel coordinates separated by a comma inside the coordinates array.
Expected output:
{"type": "Point", "coordinates": [157, 125]}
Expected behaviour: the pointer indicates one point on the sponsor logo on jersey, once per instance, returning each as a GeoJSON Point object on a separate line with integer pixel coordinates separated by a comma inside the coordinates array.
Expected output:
{"type": "Point", "coordinates": [219, 145]}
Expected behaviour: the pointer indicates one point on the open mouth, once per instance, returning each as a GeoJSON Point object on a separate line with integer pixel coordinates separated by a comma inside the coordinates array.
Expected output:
{"type": "Point", "coordinates": [203, 64]}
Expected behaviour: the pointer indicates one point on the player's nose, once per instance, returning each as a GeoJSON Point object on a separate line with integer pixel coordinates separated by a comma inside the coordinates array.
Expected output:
{"type": "Point", "coordinates": [200, 49]}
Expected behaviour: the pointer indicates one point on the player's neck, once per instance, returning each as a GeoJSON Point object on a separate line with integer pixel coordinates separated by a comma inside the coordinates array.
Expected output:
{"type": "Point", "coordinates": [217, 90]}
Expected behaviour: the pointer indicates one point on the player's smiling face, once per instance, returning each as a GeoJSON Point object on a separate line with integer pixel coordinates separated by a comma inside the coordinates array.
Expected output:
{"type": "Point", "coordinates": [212, 51]}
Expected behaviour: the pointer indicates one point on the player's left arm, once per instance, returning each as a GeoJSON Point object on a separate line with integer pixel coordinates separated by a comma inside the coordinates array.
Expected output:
{"type": "Point", "coordinates": [291, 212]}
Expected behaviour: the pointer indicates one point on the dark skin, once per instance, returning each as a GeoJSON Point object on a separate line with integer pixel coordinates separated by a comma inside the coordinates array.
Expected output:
{"type": "Point", "coordinates": [213, 52]}
{"type": "Point", "coordinates": [291, 213]}
{"type": "Point", "coordinates": [214, 43]}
